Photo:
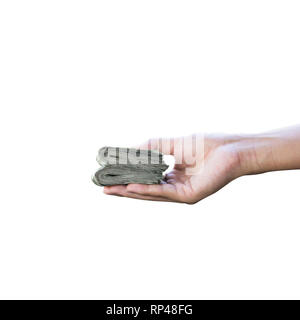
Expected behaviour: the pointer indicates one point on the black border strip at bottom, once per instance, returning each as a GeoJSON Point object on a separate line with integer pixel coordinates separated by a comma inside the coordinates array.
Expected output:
{"type": "Point", "coordinates": [149, 309]}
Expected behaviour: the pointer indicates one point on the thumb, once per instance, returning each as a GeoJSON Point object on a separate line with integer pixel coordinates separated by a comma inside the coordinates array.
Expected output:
{"type": "Point", "coordinates": [163, 145]}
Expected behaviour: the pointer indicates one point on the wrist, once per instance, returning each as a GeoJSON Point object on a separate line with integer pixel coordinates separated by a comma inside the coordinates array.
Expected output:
{"type": "Point", "coordinates": [256, 154]}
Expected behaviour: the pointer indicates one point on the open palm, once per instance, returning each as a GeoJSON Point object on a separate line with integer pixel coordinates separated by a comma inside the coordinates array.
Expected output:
{"type": "Point", "coordinates": [217, 163]}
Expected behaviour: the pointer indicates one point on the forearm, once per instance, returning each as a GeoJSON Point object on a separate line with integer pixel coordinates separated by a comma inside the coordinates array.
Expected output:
{"type": "Point", "coordinates": [278, 150]}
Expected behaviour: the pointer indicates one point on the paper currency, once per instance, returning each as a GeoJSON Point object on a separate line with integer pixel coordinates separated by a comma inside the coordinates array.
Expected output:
{"type": "Point", "coordinates": [129, 165]}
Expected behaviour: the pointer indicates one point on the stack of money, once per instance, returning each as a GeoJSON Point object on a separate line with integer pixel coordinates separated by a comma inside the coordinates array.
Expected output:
{"type": "Point", "coordinates": [128, 165]}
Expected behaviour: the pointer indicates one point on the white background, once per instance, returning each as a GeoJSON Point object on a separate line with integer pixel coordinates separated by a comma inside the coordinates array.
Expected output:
{"type": "Point", "coordinates": [78, 75]}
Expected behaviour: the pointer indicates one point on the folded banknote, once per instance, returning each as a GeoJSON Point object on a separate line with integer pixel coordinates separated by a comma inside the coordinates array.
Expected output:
{"type": "Point", "coordinates": [129, 165]}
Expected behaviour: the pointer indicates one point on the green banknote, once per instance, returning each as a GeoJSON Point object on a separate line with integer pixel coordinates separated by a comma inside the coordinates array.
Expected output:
{"type": "Point", "coordinates": [129, 165]}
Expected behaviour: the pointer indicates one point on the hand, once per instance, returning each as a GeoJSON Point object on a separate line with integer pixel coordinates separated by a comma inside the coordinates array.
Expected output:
{"type": "Point", "coordinates": [194, 177]}
{"type": "Point", "coordinates": [220, 160]}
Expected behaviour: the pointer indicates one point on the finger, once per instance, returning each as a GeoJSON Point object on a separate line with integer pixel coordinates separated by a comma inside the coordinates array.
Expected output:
{"type": "Point", "coordinates": [174, 174]}
{"type": "Point", "coordinates": [167, 146]}
{"type": "Point", "coordinates": [179, 166]}
{"type": "Point", "coordinates": [157, 190]}
{"type": "Point", "coordinates": [175, 177]}
{"type": "Point", "coordinates": [114, 190]}
{"type": "Point", "coordinates": [122, 192]}
{"type": "Point", "coordinates": [164, 145]}
{"type": "Point", "coordinates": [143, 197]}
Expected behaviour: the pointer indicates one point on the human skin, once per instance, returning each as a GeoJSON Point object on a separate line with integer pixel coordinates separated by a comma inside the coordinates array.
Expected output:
{"type": "Point", "coordinates": [223, 159]}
